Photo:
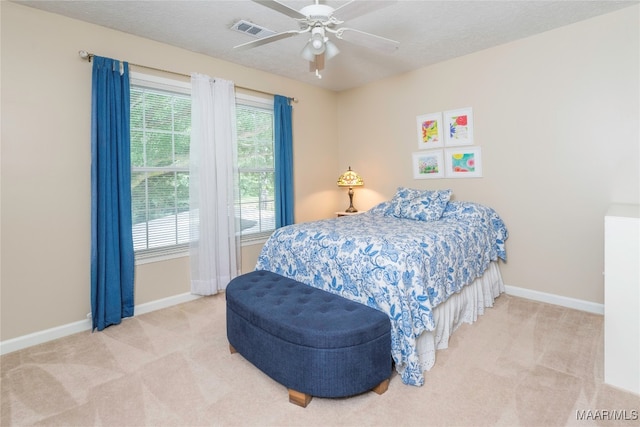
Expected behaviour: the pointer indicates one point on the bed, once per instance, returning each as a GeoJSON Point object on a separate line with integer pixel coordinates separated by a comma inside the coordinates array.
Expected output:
{"type": "Point", "coordinates": [428, 262]}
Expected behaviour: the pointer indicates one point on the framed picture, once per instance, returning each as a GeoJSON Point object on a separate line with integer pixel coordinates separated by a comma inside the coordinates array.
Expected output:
{"type": "Point", "coordinates": [428, 164]}
{"type": "Point", "coordinates": [459, 127]}
{"type": "Point", "coordinates": [463, 162]}
{"type": "Point", "coordinates": [429, 131]}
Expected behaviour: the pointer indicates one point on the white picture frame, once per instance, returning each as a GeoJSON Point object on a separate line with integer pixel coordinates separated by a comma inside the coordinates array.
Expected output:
{"type": "Point", "coordinates": [458, 127]}
{"type": "Point", "coordinates": [429, 127]}
{"type": "Point", "coordinates": [428, 164]}
{"type": "Point", "coordinates": [463, 162]}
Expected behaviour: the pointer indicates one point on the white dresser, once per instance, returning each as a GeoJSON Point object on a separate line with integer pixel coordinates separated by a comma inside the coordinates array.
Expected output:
{"type": "Point", "coordinates": [622, 297]}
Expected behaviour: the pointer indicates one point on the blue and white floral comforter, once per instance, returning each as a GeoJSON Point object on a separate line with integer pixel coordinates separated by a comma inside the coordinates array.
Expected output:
{"type": "Point", "coordinates": [403, 267]}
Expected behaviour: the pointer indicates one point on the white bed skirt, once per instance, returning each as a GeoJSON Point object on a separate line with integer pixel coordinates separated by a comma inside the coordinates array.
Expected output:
{"type": "Point", "coordinates": [463, 307]}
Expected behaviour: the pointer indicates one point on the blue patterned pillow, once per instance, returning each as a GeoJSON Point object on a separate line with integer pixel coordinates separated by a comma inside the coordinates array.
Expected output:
{"type": "Point", "coordinates": [384, 208]}
{"type": "Point", "coordinates": [428, 206]}
{"type": "Point", "coordinates": [421, 205]}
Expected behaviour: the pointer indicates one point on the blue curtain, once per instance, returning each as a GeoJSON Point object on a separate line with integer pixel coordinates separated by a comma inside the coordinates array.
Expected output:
{"type": "Point", "coordinates": [283, 161]}
{"type": "Point", "coordinates": [112, 257]}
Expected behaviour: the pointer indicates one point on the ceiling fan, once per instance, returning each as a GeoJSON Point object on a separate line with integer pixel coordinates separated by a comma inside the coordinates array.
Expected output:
{"type": "Point", "coordinates": [320, 20]}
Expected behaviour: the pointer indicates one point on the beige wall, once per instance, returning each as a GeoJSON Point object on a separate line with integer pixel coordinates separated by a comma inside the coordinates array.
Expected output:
{"type": "Point", "coordinates": [556, 116]}
{"type": "Point", "coordinates": [45, 181]}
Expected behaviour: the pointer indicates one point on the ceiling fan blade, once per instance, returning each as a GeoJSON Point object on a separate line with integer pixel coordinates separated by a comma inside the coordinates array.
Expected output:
{"type": "Point", "coordinates": [353, 9]}
{"type": "Point", "coordinates": [282, 8]}
{"type": "Point", "coordinates": [367, 40]}
{"type": "Point", "coordinates": [268, 39]}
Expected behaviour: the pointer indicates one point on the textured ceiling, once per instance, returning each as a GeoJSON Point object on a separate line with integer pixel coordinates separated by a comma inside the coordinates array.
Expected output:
{"type": "Point", "coordinates": [428, 31]}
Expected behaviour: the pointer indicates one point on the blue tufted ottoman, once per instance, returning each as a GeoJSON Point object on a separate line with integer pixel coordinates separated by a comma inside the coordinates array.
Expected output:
{"type": "Point", "coordinates": [311, 341]}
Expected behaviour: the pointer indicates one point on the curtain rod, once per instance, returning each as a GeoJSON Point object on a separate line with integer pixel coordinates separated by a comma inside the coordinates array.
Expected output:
{"type": "Point", "coordinates": [88, 56]}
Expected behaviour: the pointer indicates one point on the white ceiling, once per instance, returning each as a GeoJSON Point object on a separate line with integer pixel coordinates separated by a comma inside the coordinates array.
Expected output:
{"type": "Point", "coordinates": [428, 31]}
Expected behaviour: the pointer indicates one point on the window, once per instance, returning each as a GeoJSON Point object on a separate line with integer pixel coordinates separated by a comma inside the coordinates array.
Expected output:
{"type": "Point", "coordinates": [160, 137]}
{"type": "Point", "coordinates": [255, 205]}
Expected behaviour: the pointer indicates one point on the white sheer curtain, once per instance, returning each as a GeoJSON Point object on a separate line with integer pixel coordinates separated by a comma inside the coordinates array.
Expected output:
{"type": "Point", "coordinates": [214, 248]}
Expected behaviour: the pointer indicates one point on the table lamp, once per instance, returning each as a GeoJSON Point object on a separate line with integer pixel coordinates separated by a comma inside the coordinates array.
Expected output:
{"type": "Point", "coordinates": [350, 179]}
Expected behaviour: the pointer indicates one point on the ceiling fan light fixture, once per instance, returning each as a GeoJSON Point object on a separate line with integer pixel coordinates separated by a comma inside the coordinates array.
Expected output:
{"type": "Point", "coordinates": [307, 53]}
{"type": "Point", "coordinates": [317, 41]}
{"type": "Point", "coordinates": [330, 50]}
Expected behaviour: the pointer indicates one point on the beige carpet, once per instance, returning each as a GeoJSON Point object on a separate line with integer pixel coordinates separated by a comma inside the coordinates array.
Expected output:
{"type": "Point", "coordinates": [523, 363]}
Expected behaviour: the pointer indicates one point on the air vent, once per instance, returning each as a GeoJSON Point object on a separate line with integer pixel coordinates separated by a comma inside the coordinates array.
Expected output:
{"type": "Point", "coordinates": [251, 29]}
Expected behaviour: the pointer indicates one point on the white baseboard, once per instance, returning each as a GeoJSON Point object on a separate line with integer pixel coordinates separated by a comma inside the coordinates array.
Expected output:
{"type": "Point", "coordinates": [164, 303]}
{"type": "Point", "coordinates": [40, 337]}
{"type": "Point", "coordinates": [574, 303]}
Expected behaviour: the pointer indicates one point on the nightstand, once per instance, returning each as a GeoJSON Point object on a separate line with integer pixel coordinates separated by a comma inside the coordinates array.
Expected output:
{"type": "Point", "coordinates": [339, 214]}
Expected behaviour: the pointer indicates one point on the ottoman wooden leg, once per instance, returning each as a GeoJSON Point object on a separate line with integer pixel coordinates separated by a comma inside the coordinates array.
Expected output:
{"type": "Point", "coordinates": [232, 350]}
{"type": "Point", "coordinates": [298, 398]}
{"type": "Point", "coordinates": [382, 387]}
